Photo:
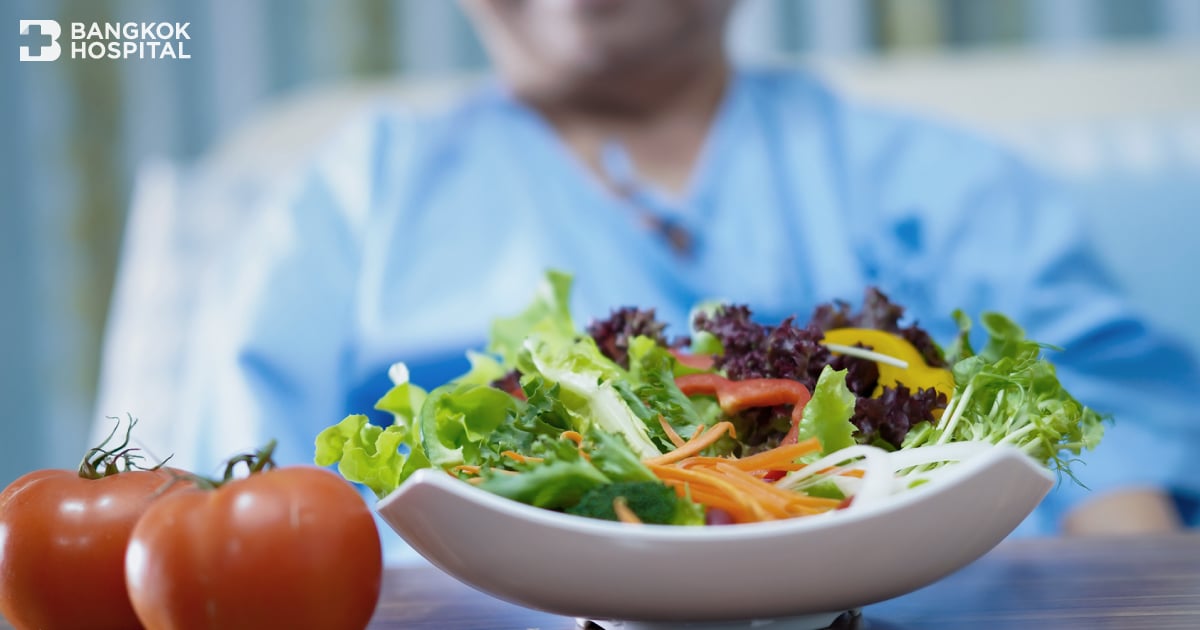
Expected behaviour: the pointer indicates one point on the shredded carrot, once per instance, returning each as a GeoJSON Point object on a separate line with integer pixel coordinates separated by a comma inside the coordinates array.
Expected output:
{"type": "Point", "coordinates": [577, 438]}
{"type": "Point", "coordinates": [697, 444]}
{"type": "Point", "coordinates": [667, 473]}
{"type": "Point", "coordinates": [737, 475]}
{"type": "Point", "coordinates": [781, 457]}
{"type": "Point", "coordinates": [671, 433]}
{"type": "Point", "coordinates": [700, 461]}
{"type": "Point", "coordinates": [741, 487]}
{"type": "Point", "coordinates": [524, 459]}
{"type": "Point", "coordinates": [703, 482]}
{"type": "Point", "coordinates": [739, 511]}
{"type": "Point", "coordinates": [736, 485]}
{"type": "Point", "coordinates": [842, 472]}
{"type": "Point", "coordinates": [465, 468]}
{"type": "Point", "coordinates": [624, 514]}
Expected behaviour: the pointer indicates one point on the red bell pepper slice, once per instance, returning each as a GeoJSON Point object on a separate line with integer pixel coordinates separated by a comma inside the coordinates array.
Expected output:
{"type": "Point", "coordinates": [694, 361]}
{"type": "Point", "coordinates": [734, 396]}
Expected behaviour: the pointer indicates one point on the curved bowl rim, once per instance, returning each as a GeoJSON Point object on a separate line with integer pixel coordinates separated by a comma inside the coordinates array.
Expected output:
{"type": "Point", "coordinates": [658, 533]}
{"type": "Point", "coordinates": [446, 495]}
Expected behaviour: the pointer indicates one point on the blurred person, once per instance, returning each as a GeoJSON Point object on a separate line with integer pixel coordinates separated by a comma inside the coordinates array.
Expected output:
{"type": "Point", "coordinates": [619, 144]}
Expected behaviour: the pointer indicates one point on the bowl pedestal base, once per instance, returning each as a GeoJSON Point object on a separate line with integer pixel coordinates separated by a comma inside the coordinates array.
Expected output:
{"type": "Point", "coordinates": [818, 621]}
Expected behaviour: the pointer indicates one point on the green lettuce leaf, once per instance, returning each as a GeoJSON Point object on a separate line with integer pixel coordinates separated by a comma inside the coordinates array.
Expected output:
{"type": "Point", "coordinates": [652, 376]}
{"type": "Point", "coordinates": [558, 482]}
{"type": "Point", "coordinates": [587, 391]}
{"type": "Point", "coordinates": [1009, 393]}
{"type": "Point", "coordinates": [549, 313]}
{"type": "Point", "coordinates": [613, 457]}
{"type": "Point", "coordinates": [827, 415]}
{"type": "Point", "coordinates": [485, 370]}
{"type": "Point", "coordinates": [364, 453]}
{"type": "Point", "coordinates": [457, 418]}
{"type": "Point", "coordinates": [404, 399]}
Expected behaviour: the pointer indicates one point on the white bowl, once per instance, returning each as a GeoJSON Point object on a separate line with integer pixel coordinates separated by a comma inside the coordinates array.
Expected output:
{"type": "Point", "coordinates": [816, 565]}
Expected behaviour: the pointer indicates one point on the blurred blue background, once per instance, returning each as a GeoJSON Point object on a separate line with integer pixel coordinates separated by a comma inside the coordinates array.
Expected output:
{"type": "Point", "coordinates": [161, 156]}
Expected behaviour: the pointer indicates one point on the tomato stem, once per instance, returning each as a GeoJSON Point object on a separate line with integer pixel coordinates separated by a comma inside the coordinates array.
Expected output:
{"type": "Point", "coordinates": [100, 462]}
{"type": "Point", "coordinates": [255, 462]}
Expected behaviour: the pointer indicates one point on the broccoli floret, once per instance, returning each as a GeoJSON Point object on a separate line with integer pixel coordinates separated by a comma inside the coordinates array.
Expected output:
{"type": "Point", "coordinates": [653, 502]}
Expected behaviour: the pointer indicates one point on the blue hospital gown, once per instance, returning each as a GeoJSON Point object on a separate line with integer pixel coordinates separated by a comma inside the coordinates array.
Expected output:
{"type": "Point", "coordinates": [409, 233]}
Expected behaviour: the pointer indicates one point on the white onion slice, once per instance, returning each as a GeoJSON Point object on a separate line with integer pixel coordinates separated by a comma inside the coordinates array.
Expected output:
{"type": "Point", "coordinates": [879, 468]}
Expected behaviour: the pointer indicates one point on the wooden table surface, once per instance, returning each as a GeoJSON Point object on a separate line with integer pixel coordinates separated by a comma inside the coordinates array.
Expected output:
{"type": "Point", "coordinates": [1095, 583]}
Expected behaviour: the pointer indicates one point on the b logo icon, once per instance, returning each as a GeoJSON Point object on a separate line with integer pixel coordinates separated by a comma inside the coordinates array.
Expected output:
{"type": "Point", "coordinates": [42, 40]}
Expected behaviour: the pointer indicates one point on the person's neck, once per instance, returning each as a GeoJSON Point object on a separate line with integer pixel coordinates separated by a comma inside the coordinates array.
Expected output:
{"type": "Point", "coordinates": [660, 116]}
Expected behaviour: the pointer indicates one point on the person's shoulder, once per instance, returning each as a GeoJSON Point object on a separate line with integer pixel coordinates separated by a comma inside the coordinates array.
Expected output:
{"type": "Point", "coordinates": [787, 90]}
{"type": "Point", "coordinates": [879, 132]}
{"type": "Point", "coordinates": [380, 150]}
{"type": "Point", "coordinates": [871, 130]}
{"type": "Point", "coordinates": [394, 127]}
{"type": "Point", "coordinates": [389, 145]}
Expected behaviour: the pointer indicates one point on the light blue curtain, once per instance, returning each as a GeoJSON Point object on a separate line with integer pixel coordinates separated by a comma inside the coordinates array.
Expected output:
{"type": "Point", "coordinates": [75, 132]}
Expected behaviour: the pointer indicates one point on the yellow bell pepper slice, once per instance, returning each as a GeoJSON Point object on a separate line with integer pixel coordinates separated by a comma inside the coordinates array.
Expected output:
{"type": "Point", "coordinates": [917, 375]}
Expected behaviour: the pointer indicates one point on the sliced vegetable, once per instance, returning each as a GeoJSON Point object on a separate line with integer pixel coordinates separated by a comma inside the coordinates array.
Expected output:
{"type": "Point", "coordinates": [906, 365]}
{"type": "Point", "coordinates": [734, 396]}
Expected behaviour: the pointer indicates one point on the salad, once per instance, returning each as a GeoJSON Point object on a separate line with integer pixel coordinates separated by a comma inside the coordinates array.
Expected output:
{"type": "Point", "coordinates": [736, 422]}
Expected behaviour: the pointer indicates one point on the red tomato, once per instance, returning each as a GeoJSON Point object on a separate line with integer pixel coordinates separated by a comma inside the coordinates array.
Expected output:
{"type": "Point", "coordinates": [293, 547]}
{"type": "Point", "coordinates": [62, 547]}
